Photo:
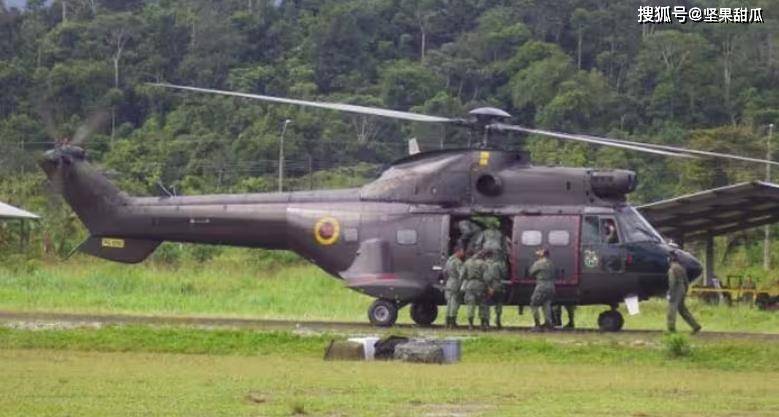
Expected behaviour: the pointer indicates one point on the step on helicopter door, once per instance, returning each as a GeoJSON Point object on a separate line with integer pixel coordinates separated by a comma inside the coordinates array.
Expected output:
{"type": "Point", "coordinates": [558, 233]}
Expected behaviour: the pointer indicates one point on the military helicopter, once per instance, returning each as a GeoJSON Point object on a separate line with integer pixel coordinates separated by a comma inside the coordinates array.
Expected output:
{"type": "Point", "coordinates": [390, 238]}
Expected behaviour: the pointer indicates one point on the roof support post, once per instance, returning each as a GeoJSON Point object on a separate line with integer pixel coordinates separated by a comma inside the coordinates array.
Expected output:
{"type": "Point", "coordinates": [708, 277]}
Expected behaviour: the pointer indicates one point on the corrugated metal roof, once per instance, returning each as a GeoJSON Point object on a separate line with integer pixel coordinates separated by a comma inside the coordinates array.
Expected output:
{"type": "Point", "coordinates": [11, 212]}
{"type": "Point", "coordinates": [715, 212]}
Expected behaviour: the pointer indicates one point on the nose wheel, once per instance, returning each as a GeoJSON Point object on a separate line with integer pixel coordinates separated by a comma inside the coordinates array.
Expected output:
{"type": "Point", "coordinates": [610, 321]}
{"type": "Point", "coordinates": [383, 313]}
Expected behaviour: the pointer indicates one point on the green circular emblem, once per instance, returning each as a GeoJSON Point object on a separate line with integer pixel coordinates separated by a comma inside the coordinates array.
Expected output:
{"type": "Point", "coordinates": [590, 259]}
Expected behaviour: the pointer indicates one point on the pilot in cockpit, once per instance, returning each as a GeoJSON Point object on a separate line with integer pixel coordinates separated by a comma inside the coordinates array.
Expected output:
{"type": "Point", "coordinates": [610, 232]}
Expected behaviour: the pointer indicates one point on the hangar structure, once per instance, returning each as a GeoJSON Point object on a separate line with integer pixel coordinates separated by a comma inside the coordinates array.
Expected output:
{"type": "Point", "coordinates": [702, 216]}
{"type": "Point", "coordinates": [9, 212]}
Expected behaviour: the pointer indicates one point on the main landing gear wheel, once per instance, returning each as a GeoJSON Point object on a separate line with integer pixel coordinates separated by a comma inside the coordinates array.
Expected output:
{"type": "Point", "coordinates": [610, 321]}
{"type": "Point", "coordinates": [424, 313]}
{"type": "Point", "coordinates": [383, 313]}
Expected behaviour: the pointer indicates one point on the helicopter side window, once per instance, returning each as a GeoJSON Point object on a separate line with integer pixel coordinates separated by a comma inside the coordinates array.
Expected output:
{"type": "Point", "coordinates": [559, 238]}
{"type": "Point", "coordinates": [407, 237]}
{"type": "Point", "coordinates": [531, 238]}
{"type": "Point", "coordinates": [590, 230]}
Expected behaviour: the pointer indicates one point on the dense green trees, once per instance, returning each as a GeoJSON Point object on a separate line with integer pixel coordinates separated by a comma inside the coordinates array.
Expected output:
{"type": "Point", "coordinates": [576, 65]}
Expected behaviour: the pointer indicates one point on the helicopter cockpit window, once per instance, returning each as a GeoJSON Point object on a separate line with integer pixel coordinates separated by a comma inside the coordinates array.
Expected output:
{"type": "Point", "coordinates": [559, 238]}
{"type": "Point", "coordinates": [531, 238]}
{"type": "Point", "coordinates": [636, 228]}
{"type": "Point", "coordinates": [407, 237]}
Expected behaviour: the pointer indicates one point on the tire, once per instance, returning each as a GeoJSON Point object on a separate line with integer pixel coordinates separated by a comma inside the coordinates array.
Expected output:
{"type": "Point", "coordinates": [424, 313]}
{"type": "Point", "coordinates": [610, 321]}
{"type": "Point", "coordinates": [383, 313]}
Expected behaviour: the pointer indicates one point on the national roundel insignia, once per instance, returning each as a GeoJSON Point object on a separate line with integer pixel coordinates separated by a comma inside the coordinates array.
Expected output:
{"type": "Point", "coordinates": [326, 231]}
{"type": "Point", "coordinates": [590, 259]}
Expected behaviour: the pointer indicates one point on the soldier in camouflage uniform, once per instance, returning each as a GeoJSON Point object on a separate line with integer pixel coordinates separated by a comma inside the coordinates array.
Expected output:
{"type": "Point", "coordinates": [471, 236]}
{"type": "Point", "coordinates": [473, 285]}
{"type": "Point", "coordinates": [558, 314]}
{"type": "Point", "coordinates": [453, 272]}
{"type": "Point", "coordinates": [543, 271]}
{"type": "Point", "coordinates": [677, 291]}
{"type": "Point", "coordinates": [494, 241]}
{"type": "Point", "coordinates": [495, 273]}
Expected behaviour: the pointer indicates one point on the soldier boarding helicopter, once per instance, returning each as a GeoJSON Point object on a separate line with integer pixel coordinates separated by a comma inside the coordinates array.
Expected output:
{"type": "Point", "coordinates": [390, 238]}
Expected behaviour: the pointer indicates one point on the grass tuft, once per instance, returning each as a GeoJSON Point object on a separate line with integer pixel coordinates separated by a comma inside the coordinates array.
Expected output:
{"type": "Point", "coordinates": [677, 345]}
{"type": "Point", "coordinates": [298, 408]}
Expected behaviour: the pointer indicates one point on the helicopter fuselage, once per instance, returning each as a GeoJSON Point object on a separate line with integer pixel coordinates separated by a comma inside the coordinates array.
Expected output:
{"type": "Point", "coordinates": [391, 238]}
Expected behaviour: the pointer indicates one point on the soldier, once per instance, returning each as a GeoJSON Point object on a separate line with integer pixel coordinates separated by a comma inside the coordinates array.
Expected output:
{"type": "Point", "coordinates": [543, 272]}
{"type": "Point", "coordinates": [749, 294]}
{"type": "Point", "coordinates": [677, 291]}
{"type": "Point", "coordinates": [473, 286]}
{"type": "Point", "coordinates": [495, 273]}
{"type": "Point", "coordinates": [611, 233]}
{"type": "Point", "coordinates": [453, 272]}
{"type": "Point", "coordinates": [494, 241]}
{"type": "Point", "coordinates": [570, 309]}
{"type": "Point", "coordinates": [471, 236]}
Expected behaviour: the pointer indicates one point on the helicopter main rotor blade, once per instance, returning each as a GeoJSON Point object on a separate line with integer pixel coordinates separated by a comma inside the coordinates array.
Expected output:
{"type": "Point", "coordinates": [352, 108]}
{"type": "Point", "coordinates": [688, 151]}
{"type": "Point", "coordinates": [590, 139]}
{"type": "Point", "coordinates": [44, 110]}
{"type": "Point", "coordinates": [93, 122]}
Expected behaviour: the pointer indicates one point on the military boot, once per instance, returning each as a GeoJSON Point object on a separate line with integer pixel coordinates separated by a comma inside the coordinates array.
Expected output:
{"type": "Point", "coordinates": [485, 324]}
{"type": "Point", "coordinates": [497, 323]}
{"type": "Point", "coordinates": [451, 322]}
{"type": "Point", "coordinates": [470, 323]}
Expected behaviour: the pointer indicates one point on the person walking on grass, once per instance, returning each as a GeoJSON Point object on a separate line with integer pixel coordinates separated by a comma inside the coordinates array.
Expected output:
{"type": "Point", "coordinates": [677, 292]}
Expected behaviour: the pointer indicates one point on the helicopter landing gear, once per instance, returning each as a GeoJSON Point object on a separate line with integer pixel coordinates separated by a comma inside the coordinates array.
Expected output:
{"type": "Point", "coordinates": [424, 313]}
{"type": "Point", "coordinates": [383, 313]}
{"type": "Point", "coordinates": [610, 321]}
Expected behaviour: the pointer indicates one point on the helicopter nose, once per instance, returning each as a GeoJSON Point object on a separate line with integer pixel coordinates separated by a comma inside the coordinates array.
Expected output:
{"type": "Point", "coordinates": [691, 264]}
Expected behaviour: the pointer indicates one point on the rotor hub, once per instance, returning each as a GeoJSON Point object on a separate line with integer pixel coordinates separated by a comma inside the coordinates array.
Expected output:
{"type": "Point", "coordinates": [483, 117]}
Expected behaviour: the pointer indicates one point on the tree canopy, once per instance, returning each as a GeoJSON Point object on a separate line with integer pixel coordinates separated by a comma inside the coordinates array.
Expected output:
{"type": "Point", "coordinates": [575, 65]}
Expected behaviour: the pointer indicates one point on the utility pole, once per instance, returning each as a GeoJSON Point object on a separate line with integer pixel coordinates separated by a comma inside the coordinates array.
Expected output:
{"type": "Point", "coordinates": [310, 172]}
{"type": "Point", "coordinates": [767, 243]}
{"type": "Point", "coordinates": [281, 155]}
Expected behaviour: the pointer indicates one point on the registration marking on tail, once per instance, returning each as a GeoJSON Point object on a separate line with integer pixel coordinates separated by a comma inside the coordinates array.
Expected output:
{"type": "Point", "coordinates": [112, 243]}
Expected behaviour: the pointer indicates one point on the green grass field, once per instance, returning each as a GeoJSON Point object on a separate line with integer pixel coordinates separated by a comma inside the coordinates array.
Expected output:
{"type": "Point", "coordinates": [229, 286]}
{"type": "Point", "coordinates": [183, 371]}
{"type": "Point", "coordinates": [128, 371]}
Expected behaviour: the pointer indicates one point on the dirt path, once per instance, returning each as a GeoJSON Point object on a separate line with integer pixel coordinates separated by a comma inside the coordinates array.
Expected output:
{"type": "Point", "coordinates": [44, 320]}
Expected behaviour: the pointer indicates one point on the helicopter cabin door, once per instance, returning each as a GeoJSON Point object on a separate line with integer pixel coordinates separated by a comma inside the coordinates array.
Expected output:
{"type": "Point", "coordinates": [558, 233]}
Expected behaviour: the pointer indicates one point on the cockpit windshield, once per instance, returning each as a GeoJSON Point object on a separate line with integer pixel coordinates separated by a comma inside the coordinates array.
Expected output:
{"type": "Point", "coordinates": [635, 228]}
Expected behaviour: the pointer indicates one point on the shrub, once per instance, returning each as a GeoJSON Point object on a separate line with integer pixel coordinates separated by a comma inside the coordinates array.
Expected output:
{"type": "Point", "coordinates": [204, 253]}
{"type": "Point", "coordinates": [168, 254]}
{"type": "Point", "coordinates": [677, 345]}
